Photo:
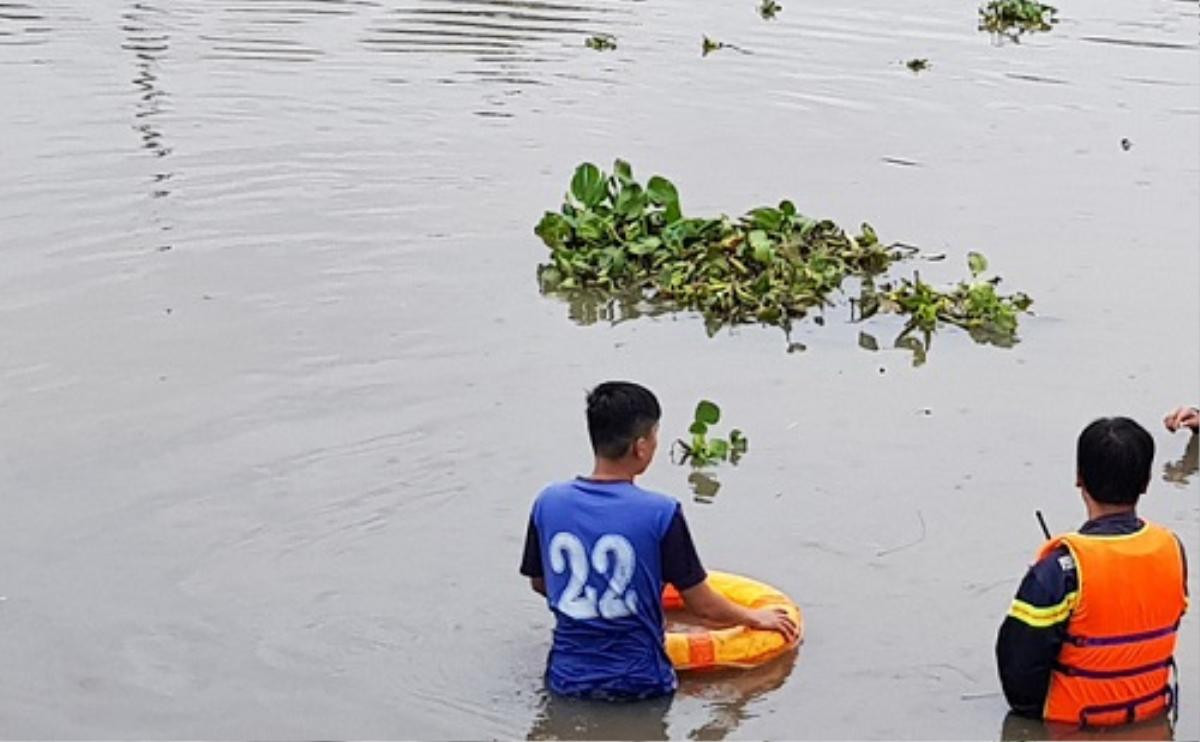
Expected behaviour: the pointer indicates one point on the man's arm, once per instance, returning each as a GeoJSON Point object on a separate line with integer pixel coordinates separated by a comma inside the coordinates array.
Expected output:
{"type": "Point", "coordinates": [531, 560]}
{"type": "Point", "coordinates": [681, 567]}
{"type": "Point", "coordinates": [716, 609]}
{"type": "Point", "coordinates": [1033, 632]}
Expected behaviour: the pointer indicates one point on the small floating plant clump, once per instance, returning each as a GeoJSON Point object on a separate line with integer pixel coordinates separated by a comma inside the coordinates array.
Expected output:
{"type": "Point", "coordinates": [700, 450]}
{"type": "Point", "coordinates": [1011, 18]}
{"type": "Point", "coordinates": [707, 46]}
{"type": "Point", "coordinates": [975, 305]}
{"type": "Point", "coordinates": [768, 9]}
{"type": "Point", "coordinates": [615, 236]}
{"type": "Point", "coordinates": [601, 42]}
{"type": "Point", "coordinates": [917, 64]}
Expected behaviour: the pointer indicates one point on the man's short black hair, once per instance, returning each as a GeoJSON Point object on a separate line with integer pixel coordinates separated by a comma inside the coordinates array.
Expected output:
{"type": "Point", "coordinates": [618, 413]}
{"type": "Point", "coordinates": [1113, 459]}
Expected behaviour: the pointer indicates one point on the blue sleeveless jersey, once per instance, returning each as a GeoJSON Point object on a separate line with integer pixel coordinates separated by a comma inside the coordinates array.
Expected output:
{"type": "Point", "coordinates": [600, 545]}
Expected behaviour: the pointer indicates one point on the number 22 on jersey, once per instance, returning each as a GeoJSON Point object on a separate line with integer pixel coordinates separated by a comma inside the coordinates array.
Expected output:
{"type": "Point", "coordinates": [578, 599]}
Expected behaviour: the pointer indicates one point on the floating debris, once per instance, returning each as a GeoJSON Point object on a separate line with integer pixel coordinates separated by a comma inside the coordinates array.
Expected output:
{"type": "Point", "coordinates": [601, 42]}
{"type": "Point", "coordinates": [768, 9]}
{"type": "Point", "coordinates": [1011, 18]}
{"type": "Point", "coordinates": [917, 64]}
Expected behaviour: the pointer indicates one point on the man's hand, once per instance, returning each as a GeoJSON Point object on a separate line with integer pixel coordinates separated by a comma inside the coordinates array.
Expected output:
{"type": "Point", "coordinates": [1182, 417]}
{"type": "Point", "coordinates": [717, 610]}
{"type": "Point", "coordinates": [775, 619]}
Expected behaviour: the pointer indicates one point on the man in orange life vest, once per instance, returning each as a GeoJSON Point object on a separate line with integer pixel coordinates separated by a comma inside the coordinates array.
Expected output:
{"type": "Point", "coordinates": [1090, 636]}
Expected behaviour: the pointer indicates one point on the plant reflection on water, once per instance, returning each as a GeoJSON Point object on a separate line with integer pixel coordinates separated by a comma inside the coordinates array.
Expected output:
{"type": "Point", "coordinates": [1180, 471]}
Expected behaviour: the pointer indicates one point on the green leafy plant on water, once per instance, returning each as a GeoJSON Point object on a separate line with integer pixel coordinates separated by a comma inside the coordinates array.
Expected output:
{"type": "Point", "coordinates": [1011, 18]}
{"type": "Point", "coordinates": [917, 64]}
{"type": "Point", "coordinates": [768, 9]}
{"type": "Point", "coordinates": [707, 46]}
{"type": "Point", "coordinates": [614, 236]}
{"type": "Point", "coordinates": [771, 266]}
{"type": "Point", "coordinates": [975, 305]}
{"type": "Point", "coordinates": [700, 450]}
{"type": "Point", "coordinates": [601, 42]}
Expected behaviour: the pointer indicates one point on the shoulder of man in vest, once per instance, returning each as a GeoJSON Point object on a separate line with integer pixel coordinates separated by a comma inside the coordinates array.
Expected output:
{"type": "Point", "coordinates": [1048, 592]}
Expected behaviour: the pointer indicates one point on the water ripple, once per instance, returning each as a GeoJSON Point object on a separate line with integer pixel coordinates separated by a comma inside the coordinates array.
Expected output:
{"type": "Point", "coordinates": [507, 40]}
{"type": "Point", "coordinates": [1138, 42]}
{"type": "Point", "coordinates": [21, 23]}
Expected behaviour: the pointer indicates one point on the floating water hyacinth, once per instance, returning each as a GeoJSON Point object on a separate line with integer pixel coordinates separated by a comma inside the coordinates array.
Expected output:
{"type": "Point", "coordinates": [700, 450]}
{"type": "Point", "coordinates": [1011, 18]}
{"type": "Point", "coordinates": [773, 265]}
{"type": "Point", "coordinates": [601, 42]}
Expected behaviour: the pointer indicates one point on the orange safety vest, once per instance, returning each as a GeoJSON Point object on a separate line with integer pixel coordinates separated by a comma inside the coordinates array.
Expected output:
{"type": "Point", "coordinates": [1115, 664]}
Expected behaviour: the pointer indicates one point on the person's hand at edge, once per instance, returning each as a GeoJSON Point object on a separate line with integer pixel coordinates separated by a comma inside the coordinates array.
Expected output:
{"type": "Point", "coordinates": [1182, 417]}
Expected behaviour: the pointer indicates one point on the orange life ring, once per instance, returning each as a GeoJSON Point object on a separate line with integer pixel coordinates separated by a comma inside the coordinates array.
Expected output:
{"type": "Point", "coordinates": [737, 646]}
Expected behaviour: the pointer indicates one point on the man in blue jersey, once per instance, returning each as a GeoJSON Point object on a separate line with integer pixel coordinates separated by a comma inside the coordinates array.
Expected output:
{"type": "Point", "coordinates": [609, 546]}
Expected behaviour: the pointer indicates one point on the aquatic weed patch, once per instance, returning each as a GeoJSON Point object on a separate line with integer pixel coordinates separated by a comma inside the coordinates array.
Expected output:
{"type": "Point", "coordinates": [769, 266]}
{"type": "Point", "coordinates": [1011, 18]}
{"type": "Point", "coordinates": [601, 42]}
{"type": "Point", "coordinates": [708, 46]}
{"type": "Point", "coordinates": [773, 265]}
{"type": "Point", "coordinates": [974, 305]}
{"type": "Point", "coordinates": [768, 9]}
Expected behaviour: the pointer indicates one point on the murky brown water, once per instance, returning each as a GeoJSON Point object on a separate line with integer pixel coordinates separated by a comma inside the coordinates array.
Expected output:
{"type": "Point", "coordinates": [277, 386]}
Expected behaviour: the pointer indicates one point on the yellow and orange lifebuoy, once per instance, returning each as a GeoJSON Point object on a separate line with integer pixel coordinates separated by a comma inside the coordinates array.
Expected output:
{"type": "Point", "coordinates": [737, 646]}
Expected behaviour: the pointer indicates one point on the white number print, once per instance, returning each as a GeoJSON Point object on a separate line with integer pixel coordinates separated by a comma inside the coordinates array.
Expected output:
{"type": "Point", "coordinates": [615, 602]}
{"type": "Point", "coordinates": [578, 600]}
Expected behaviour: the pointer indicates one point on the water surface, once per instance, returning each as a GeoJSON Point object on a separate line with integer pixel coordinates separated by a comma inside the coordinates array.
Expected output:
{"type": "Point", "coordinates": [277, 386]}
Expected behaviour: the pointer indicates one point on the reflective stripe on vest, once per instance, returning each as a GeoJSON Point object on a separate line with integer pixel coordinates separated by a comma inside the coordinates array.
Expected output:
{"type": "Point", "coordinates": [1115, 664]}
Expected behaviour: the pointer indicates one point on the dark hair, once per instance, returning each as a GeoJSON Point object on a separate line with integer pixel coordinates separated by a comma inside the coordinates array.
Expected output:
{"type": "Point", "coordinates": [618, 413]}
{"type": "Point", "coordinates": [1113, 457]}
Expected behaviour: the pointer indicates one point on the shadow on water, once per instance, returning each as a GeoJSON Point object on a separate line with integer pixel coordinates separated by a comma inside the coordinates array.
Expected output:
{"type": "Point", "coordinates": [592, 306]}
{"type": "Point", "coordinates": [1180, 471]}
{"type": "Point", "coordinates": [571, 718]}
{"type": "Point", "coordinates": [145, 28]}
{"type": "Point", "coordinates": [273, 32]}
{"type": "Point", "coordinates": [704, 486]}
{"type": "Point", "coordinates": [1019, 728]}
{"type": "Point", "coordinates": [505, 41]}
{"type": "Point", "coordinates": [21, 23]}
{"type": "Point", "coordinates": [726, 694]}
{"type": "Point", "coordinates": [145, 32]}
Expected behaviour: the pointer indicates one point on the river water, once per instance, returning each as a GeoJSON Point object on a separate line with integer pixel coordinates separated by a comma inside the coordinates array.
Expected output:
{"type": "Point", "coordinates": [277, 386]}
